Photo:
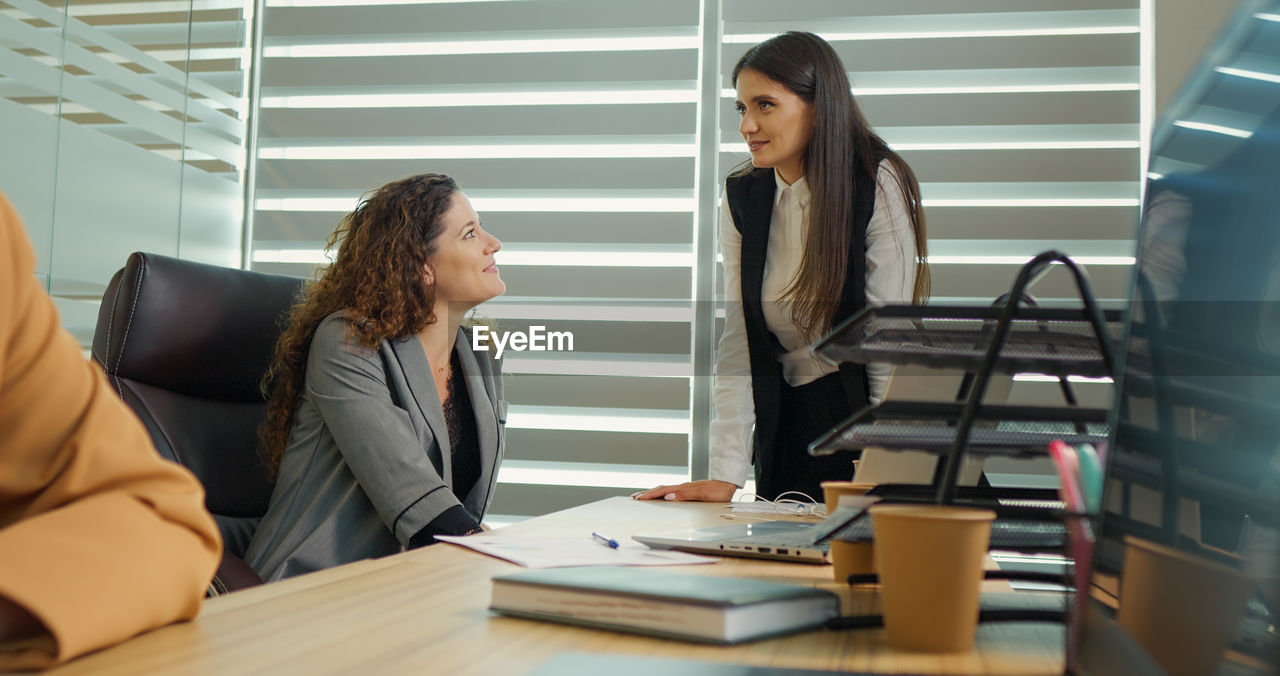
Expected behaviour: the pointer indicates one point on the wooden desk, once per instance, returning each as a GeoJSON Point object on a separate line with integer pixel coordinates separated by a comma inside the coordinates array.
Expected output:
{"type": "Point", "coordinates": [425, 611]}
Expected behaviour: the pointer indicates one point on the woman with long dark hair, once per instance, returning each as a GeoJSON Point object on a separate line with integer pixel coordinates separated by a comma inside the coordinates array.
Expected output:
{"type": "Point", "coordinates": [824, 221]}
{"type": "Point", "coordinates": [384, 427]}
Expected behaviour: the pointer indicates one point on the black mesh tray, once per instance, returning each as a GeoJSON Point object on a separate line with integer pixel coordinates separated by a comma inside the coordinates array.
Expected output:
{"type": "Point", "coordinates": [949, 410]}
{"type": "Point", "coordinates": [1000, 438]}
{"type": "Point", "coordinates": [1020, 535]}
{"type": "Point", "coordinates": [1052, 341]}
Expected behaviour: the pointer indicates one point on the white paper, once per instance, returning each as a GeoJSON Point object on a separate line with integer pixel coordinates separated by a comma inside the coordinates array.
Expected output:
{"type": "Point", "coordinates": [859, 502]}
{"type": "Point", "coordinates": [562, 551]}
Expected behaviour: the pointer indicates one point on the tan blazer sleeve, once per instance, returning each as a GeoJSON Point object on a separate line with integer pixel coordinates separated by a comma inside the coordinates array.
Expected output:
{"type": "Point", "coordinates": [100, 538]}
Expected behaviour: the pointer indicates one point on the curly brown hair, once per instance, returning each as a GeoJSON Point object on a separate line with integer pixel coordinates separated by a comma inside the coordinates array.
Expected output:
{"type": "Point", "coordinates": [377, 276]}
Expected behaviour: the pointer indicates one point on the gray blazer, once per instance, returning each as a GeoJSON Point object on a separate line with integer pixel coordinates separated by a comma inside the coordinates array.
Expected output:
{"type": "Point", "coordinates": [359, 475]}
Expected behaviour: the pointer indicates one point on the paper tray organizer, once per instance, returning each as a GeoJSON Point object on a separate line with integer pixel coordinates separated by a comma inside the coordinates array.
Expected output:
{"type": "Point", "coordinates": [1011, 337]}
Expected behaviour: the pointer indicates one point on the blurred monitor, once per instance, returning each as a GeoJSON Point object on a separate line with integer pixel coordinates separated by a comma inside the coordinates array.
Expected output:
{"type": "Point", "coordinates": [1191, 508]}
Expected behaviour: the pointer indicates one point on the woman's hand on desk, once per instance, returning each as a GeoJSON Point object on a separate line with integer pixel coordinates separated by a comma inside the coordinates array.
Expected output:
{"type": "Point", "coordinates": [709, 490]}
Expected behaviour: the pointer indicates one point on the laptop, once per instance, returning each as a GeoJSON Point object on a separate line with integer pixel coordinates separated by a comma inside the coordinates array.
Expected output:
{"type": "Point", "coordinates": [794, 540]}
{"type": "Point", "coordinates": [778, 540]}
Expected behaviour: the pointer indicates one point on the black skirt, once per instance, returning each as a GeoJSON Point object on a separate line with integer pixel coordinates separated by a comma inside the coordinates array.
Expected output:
{"type": "Point", "coordinates": [804, 414]}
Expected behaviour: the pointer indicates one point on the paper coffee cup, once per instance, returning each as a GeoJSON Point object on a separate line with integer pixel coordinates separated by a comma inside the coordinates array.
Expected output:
{"type": "Point", "coordinates": [929, 559]}
{"type": "Point", "coordinates": [1183, 609]}
{"type": "Point", "coordinates": [852, 558]}
{"type": "Point", "coordinates": [832, 490]}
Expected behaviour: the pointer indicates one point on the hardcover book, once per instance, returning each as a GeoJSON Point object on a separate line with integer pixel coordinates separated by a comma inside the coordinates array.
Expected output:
{"type": "Point", "coordinates": [702, 608]}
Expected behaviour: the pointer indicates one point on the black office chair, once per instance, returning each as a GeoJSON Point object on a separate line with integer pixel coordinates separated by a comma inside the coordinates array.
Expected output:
{"type": "Point", "coordinates": [185, 345]}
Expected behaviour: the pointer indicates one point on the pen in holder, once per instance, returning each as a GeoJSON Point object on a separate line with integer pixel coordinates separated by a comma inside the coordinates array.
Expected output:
{"type": "Point", "coordinates": [1080, 488]}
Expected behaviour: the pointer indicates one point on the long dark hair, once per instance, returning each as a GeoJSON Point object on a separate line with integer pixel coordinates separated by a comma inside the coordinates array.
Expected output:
{"type": "Point", "coordinates": [842, 143]}
{"type": "Point", "coordinates": [378, 276]}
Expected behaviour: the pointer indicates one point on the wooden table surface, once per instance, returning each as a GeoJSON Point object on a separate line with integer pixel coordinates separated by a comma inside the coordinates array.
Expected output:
{"type": "Point", "coordinates": [425, 611]}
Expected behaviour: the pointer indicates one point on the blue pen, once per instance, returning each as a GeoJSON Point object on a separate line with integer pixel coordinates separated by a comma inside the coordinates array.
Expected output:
{"type": "Point", "coordinates": [608, 542]}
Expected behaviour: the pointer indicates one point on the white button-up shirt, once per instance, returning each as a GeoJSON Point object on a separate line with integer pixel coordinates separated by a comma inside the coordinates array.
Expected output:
{"type": "Point", "coordinates": [890, 269]}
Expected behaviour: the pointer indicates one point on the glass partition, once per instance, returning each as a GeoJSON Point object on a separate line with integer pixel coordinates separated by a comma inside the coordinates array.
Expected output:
{"type": "Point", "coordinates": [124, 129]}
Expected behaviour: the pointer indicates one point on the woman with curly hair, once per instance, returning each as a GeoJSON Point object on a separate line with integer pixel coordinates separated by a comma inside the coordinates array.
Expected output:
{"type": "Point", "coordinates": [384, 427]}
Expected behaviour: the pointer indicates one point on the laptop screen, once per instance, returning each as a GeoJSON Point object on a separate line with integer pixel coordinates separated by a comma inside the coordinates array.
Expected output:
{"type": "Point", "coordinates": [1188, 547]}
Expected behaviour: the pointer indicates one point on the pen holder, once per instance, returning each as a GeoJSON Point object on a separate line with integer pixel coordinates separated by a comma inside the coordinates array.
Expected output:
{"type": "Point", "coordinates": [1080, 547]}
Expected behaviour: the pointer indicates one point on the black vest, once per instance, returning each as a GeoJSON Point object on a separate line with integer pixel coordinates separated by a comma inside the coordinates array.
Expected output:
{"type": "Point", "coordinates": [751, 199]}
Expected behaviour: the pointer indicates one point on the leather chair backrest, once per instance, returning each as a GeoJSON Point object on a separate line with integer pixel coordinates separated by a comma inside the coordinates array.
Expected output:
{"type": "Point", "coordinates": [185, 345]}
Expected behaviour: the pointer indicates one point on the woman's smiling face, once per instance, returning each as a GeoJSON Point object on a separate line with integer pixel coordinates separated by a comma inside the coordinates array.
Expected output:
{"type": "Point", "coordinates": [463, 267]}
{"type": "Point", "coordinates": [776, 124]}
